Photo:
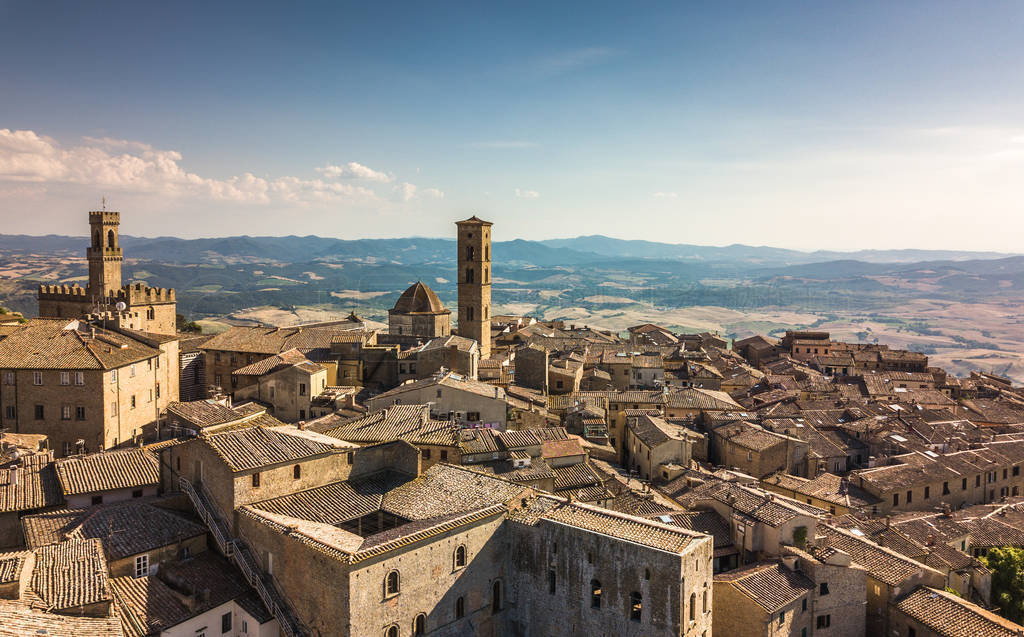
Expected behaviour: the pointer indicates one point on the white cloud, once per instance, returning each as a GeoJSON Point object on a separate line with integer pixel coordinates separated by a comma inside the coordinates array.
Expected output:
{"type": "Point", "coordinates": [527, 194]}
{"type": "Point", "coordinates": [353, 170]}
{"type": "Point", "coordinates": [433, 193]}
{"type": "Point", "coordinates": [407, 191]}
{"type": "Point", "coordinates": [665, 195]}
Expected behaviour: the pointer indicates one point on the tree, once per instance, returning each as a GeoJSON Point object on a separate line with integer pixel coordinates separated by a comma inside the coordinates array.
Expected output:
{"type": "Point", "coordinates": [184, 325]}
{"type": "Point", "coordinates": [1007, 566]}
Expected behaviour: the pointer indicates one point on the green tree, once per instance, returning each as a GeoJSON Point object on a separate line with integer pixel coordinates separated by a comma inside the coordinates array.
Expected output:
{"type": "Point", "coordinates": [1007, 566]}
{"type": "Point", "coordinates": [184, 325]}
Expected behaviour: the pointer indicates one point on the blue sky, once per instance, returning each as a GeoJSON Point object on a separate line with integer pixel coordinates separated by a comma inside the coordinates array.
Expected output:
{"type": "Point", "coordinates": [804, 125]}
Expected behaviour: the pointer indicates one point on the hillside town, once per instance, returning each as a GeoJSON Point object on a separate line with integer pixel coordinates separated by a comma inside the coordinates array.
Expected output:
{"type": "Point", "coordinates": [465, 472]}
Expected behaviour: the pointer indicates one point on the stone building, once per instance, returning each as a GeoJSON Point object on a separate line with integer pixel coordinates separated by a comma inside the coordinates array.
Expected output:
{"type": "Point", "coordinates": [286, 382]}
{"type": "Point", "coordinates": [419, 312]}
{"type": "Point", "coordinates": [474, 277]}
{"type": "Point", "coordinates": [933, 612]}
{"type": "Point", "coordinates": [451, 396]}
{"type": "Point", "coordinates": [134, 306]}
{"type": "Point", "coordinates": [86, 388]}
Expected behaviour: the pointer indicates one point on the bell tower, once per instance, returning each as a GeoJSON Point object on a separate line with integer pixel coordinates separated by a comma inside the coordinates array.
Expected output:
{"type": "Point", "coordinates": [475, 282]}
{"type": "Point", "coordinates": [104, 253]}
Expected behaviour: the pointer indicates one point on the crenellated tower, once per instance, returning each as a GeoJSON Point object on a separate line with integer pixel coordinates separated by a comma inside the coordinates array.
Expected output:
{"type": "Point", "coordinates": [474, 274]}
{"type": "Point", "coordinates": [104, 254]}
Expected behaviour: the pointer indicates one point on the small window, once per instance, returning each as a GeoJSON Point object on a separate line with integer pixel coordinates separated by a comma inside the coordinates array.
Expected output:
{"type": "Point", "coordinates": [824, 621]}
{"type": "Point", "coordinates": [636, 606]}
{"type": "Point", "coordinates": [426, 454]}
{"type": "Point", "coordinates": [37, 378]}
{"type": "Point", "coordinates": [595, 593]}
{"type": "Point", "coordinates": [79, 413]}
{"type": "Point", "coordinates": [8, 378]}
{"type": "Point", "coordinates": [693, 607]}
{"type": "Point", "coordinates": [782, 618]}
{"type": "Point", "coordinates": [256, 480]}
{"type": "Point", "coordinates": [823, 588]}
{"type": "Point", "coordinates": [910, 497]}
{"type": "Point", "coordinates": [113, 376]}
{"type": "Point", "coordinates": [96, 499]}
{"type": "Point", "coordinates": [460, 557]}
{"type": "Point", "coordinates": [419, 625]}
{"type": "Point", "coordinates": [65, 378]}
{"type": "Point", "coordinates": [10, 411]}
{"type": "Point", "coordinates": [302, 389]}
{"type": "Point", "coordinates": [704, 602]}
{"type": "Point", "coordinates": [351, 457]}
{"type": "Point", "coordinates": [133, 401]}
{"type": "Point", "coordinates": [40, 412]}
{"type": "Point", "coordinates": [141, 566]}
{"type": "Point", "coordinates": [392, 584]}
{"type": "Point", "coordinates": [65, 412]}
{"type": "Point", "coordinates": [496, 597]}
{"type": "Point", "coordinates": [225, 622]}
{"type": "Point", "coordinates": [552, 580]}
{"type": "Point", "coordinates": [927, 492]}
{"type": "Point", "coordinates": [297, 472]}
{"type": "Point", "coordinates": [460, 608]}
{"type": "Point", "coordinates": [392, 631]}
{"type": "Point", "coordinates": [647, 573]}
{"type": "Point", "coordinates": [137, 493]}
{"type": "Point", "coordinates": [963, 485]}
{"type": "Point", "coordinates": [803, 605]}
{"type": "Point", "coordinates": [131, 370]}
{"type": "Point", "coordinates": [444, 454]}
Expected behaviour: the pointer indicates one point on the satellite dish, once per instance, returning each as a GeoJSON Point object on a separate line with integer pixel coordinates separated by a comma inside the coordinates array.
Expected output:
{"type": "Point", "coordinates": [121, 307]}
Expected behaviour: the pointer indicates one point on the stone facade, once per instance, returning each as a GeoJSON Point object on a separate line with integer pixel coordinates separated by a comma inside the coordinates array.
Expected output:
{"type": "Point", "coordinates": [474, 277]}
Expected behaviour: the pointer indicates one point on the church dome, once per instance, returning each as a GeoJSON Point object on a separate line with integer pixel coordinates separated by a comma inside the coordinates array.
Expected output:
{"type": "Point", "coordinates": [419, 299]}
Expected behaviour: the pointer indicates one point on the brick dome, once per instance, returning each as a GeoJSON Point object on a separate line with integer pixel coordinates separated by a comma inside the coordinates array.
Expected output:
{"type": "Point", "coordinates": [419, 299]}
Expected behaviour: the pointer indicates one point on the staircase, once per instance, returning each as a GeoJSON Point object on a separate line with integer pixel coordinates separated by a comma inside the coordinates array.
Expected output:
{"type": "Point", "coordinates": [239, 552]}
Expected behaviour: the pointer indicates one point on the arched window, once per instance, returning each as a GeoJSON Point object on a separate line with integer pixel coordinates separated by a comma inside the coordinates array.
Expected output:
{"type": "Point", "coordinates": [419, 625]}
{"type": "Point", "coordinates": [297, 471]}
{"type": "Point", "coordinates": [705, 607]}
{"type": "Point", "coordinates": [496, 597]}
{"type": "Point", "coordinates": [391, 584]}
{"type": "Point", "coordinates": [470, 253]}
{"type": "Point", "coordinates": [392, 631]}
{"type": "Point", "coordinates": [460, 608]}
{"type": "Point", "coordinates": [636, 606]}
{"type": "Point", "coordinates": [460, 557]}
{"type": "Point", "coordinates": [469, 275]}
{"type": "Point", "coordinates": [595, 594]}
{"type": "Point", "coordinates": [469, 312]}
{"type": "Point", "coordinates": [647, 573]}
{"type": "Point", "coordinates": [96, 241]}
{"type": "Point", "coordinates": [693, 607]}
{"type": "Point", "coordinates": [111, 241]}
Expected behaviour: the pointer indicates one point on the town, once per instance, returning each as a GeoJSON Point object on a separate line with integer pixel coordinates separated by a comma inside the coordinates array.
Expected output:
{"type": "Point", "coordinates": [461, 472]}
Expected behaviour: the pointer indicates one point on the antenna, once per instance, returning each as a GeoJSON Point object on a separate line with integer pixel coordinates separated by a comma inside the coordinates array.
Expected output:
{"type": "Point", "coordinates": [104, 200]}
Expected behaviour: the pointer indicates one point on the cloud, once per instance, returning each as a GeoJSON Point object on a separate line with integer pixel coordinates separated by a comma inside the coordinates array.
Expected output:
{"type": "Point", "coordinates": [665, 195]}
{"type": "Point", "coordinates": [527, 194]}
{"type": "Point", "coordinates": [577, 58]}
{"type": "Point", "coordinates": [407, 191]}
{"type": "Point", "coordinates": [353, 170]}
{"type": "Point", "coordinates": [130, 167]}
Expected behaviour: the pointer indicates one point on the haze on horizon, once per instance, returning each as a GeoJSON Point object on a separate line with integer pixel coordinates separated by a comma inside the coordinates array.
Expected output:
{"type": "Point", "coordinates": [797, 125]}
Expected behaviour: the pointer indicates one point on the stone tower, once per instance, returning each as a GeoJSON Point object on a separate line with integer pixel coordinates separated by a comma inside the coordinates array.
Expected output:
{"type": "Point", "coordinates": [475, 282]}
{"type": "Point", "coordinates": [104, 254]}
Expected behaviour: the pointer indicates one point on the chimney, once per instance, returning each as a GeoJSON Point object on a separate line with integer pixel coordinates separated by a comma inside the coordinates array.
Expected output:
{"type": "Point", "coordinates": [15, 475]}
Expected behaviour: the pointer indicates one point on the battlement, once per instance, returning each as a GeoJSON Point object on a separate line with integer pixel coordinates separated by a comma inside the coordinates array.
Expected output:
{"type": "Point", "coordinates": [62, 292]}
{"type": "Point", "coordinates": [104, 216]}
{"type": "Point", "coordinates": [141, 294]}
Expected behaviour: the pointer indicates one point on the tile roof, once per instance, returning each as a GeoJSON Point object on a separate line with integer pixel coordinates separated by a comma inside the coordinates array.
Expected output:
{"type": "Point", "coordinates": [703, 399]}
{"type": "Point", "coordinates": [63, 344]}
{"type": "Point", "coordinates": [71, 574]}
{"type": "Point", "coordinates": [411, 423]}
{"type": "Point", "coordinates": [126, 528]}
{"type": "Point", "coordinates": [448, 379]}
{"type": "Point", "coordinates": [274, 340]}
{"type": "Point", "coordinates": [575, 476]}
{"type": "Point", "coordinates": [337, 502]}
{"type": "Point", "coordinates": [770, 585]}
{"type": "Point", "coordinates": [446, 489]}
{"type": "Point", "coordinates": [882, 563]}
{"type": "Point", "coordinates": [157, 605]}
{"type": "Point", "coordinates": [255, 447]}
{"type": "Point", "coordinates": [707, 522]}
{"type": "Point", "coordinates": [107, 471]}
{"type": "Point", "coordinates": [274, 363]}
{"type": "Point", "coordinates": [950, 616]}
{"type": "Point", "coordinates": [35, 484]}
{"type": "Point", "coordinates": [11, 565]}
{"type": "Point", "coordinates": [206, 412]}
{"type": "Point", "coordinates": [18, 619]}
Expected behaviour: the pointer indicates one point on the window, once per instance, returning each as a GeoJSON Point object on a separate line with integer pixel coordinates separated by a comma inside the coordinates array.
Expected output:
{"type": "Point", "coordinates": [245, 627]}
{"type": "Point", "coordinates": [469, 275]}
{"type": "Point", "coordinates": [150, 399]}
{"type": "Point", "coordinates": [8, 378]}
{"type": "Point", "coordinates": [551, 582]}
{"type": "Point", "coordinates": [141, 566]}
{"type": "Point", "coordinates": [351, 457]}
{"type": "Point", "coordinates": [297, 472]}
{"type": "Point", "coordinates": [256, 480]}
{"type": "Point", "coordinates": [131, 370]}
{"type": "Point", "coordinates": [1016, 470]}
{"type": "Point", "coordinates": [9, 411]}
{"type": "Point", "coordinates": [945, 488]}
{"type": "Point", "coordinates": [473, 416]}
{"type": "Point", "coordinates": [426, 454]}
{"type": "Point", "coordinates": [823, 588]}
{"type": "Point", "coordinates": [392, 631]}
{"type": "Point", "coordinates": [302, 389]}
{"type": "Point", "coordinates": [65, 412]}
{"type": "Point", "coordinates": [636, 606]}
{"type": "Point", "coordinates": [302, 414]}
{"type": "Point", "coordinates": [693, 607]}
{"type": "Point", "coordinates": [158, 391]}
{"type": "Point", "coordinates": [977, 480]}
{"type": "Point", "coordinates": [704, 602]}
{"type": "Point", "coordinates": [470, 253]}
{"type": "Point", "coordinates": [137, 493]}
{"type": "Point", "coordinates": [40, 413]}
{"type": "Point", "coordinates": [803, 605]}
{"type": "Point", "coordinates": [647, 573]}
{"type": "Point", "coordinates": [65, 378]}
{"type": "Point", "coordinates": [37, 378]}
{"type": "Point", "coordinates": [824, 621]}
{"type": "Point", "coordinates": [911, 632]}
{"type": "Point", "coordinates": [927, 492]}
{"type": "Point", "coordinates": [910, 497]}
{"type": "Point", "coordinates": [113, 408]}
{"type": "Point", "coordinates": [225, 622]}
{"type": "Point", "coordinates": [963, 486]}
{"type": "Point", "coordinates": [469, 312]}
{"type": "Point", "coordinates": [79, 378]}
{"type": "Point", "coordinates": [1004, 474]}
{"type": "Point", "coordinates": [750, 456]}
{"type": "Point", "coordinates": [444, 454]}
{"type": "Point", "coordinates": [113, 376]}
{"type": "Point", "coordinates": [460, 557]}
{"type": "Point", "coordinates": [133, 401]}
{"type": "Point", "coordinates": [895, 499]}
{"type": "Point", "coordinates": [460, 608]}
{"type": "Point", "coordinates": [595, 594]}
{"type": "Point", "coordinates": [782, 617]}
{"type": "Point", "coordinates": [496, 597]}
{"type": "Point", "coordinates": [156, 362]}
{"type": "Point", "coordinates": [419, 625]}
{"type": "Point", "coordinates": [391, 584]}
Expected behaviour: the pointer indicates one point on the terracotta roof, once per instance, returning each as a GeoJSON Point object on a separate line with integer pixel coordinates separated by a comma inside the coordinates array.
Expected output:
{"type": "Point", "coordinates": [126, 528]}
{"type": "Point", "coordinates": [575, 476]}
{"type": "Point", "coordinates": [208, 412]}
{"type": "Point", "coordinates": [445, 489]}
{"type": "Point", "coordinates": [35, 484]}
{"type": "Point", "coordinates": [18, 619]}
{"type": "Point", "coordinates": [411, 423]}
{"type": "Point", "coordinates": [156, 605]}
{"type": "Point", "coordinates": [561, 448]}
{"type": "Point", "coordinates": [255, 447]}
{"type": "Point", "coordinates": [450, 380]}
{"type": "Point", "coordinates": [11, 565]}
{"type": "Point", "coordinates": [274, 340]}
{"type": "Point", "coordinates": [107, 471]}
{"type": "Point", "coordinates": [63, 344]}
{"type": "Point", "coordinates": [71, 574]}
{"type": "Point", "coordinates": [950, 616]}
{"type": "Point", "coordinates": [882, 563]}
{"type": "Point", "coordinates": [419, 299]}
{"type": "Point", "coordinates": [770, 585]}
{"type": "Point", "coordinates": [337, 502]}
{"type": "Point", "coordinates": [276, 363]}
{"type": "Point", "coordinates": [707, 522]}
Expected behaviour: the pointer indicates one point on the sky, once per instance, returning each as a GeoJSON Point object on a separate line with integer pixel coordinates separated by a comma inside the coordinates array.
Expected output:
{"type": "Point", "coordinates": [813, 125]}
